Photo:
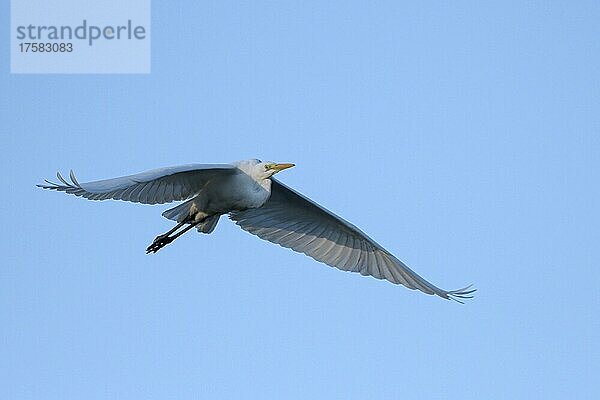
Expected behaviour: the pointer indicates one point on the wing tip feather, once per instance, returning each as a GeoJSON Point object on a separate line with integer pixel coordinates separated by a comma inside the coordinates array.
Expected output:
{"type": "Point", "coordinates": [458, 295]}
{"type": "Point", "coordinates": [66, 186]}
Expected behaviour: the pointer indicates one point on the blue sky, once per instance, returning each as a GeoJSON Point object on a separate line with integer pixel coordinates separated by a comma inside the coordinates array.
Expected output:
{"type": "Point", "coordinates": [464, 138]}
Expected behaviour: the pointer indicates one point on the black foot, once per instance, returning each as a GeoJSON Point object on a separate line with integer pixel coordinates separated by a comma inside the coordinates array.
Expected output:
{"type": "Point", "coordinates": [159, 243]}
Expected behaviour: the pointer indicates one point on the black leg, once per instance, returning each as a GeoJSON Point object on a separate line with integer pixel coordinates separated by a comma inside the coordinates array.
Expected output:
{"type": "Point", "coordinates": [179, 225]}
{"type": "Point", "coordinates": [162, 240]}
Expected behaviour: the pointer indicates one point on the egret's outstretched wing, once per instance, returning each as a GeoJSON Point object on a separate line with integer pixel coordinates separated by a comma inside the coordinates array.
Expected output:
{"type": "Point", "coordinates": [294, 221]}
{"type": "Point", "coordinates": [156, 186]}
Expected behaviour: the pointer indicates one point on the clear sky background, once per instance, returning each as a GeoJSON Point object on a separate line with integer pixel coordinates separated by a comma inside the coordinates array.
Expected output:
{"type": "Point", "coordinates": [464, 138]}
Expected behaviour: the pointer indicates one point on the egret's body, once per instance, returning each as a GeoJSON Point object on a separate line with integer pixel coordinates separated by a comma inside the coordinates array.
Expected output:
{"type": "Point", "coordinates": [235, 191]}
{"type": "Point", "coordinates": [259, 204]}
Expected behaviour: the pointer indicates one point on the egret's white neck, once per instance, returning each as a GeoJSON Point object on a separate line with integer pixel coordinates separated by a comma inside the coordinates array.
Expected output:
{"type": "Point", "coordinates": [256, 172]}
{"type": "Point", "coordinates": [265, 183]}
{"type": "Point", "coordinates": [261, 179]}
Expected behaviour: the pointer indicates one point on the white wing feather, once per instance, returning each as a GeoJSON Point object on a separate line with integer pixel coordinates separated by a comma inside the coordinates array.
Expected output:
{"type": "Point", "coordinates": [157, 186]}
{"type": "Point", "coordinates": [296, 222]}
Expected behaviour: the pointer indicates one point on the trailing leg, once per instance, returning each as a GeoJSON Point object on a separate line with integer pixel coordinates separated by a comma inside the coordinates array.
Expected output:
{"type": "Point", "coordinates": [162, 240]}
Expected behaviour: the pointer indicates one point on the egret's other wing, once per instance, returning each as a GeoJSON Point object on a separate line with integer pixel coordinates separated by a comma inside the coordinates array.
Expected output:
{"type": "Point", "coordinates": [294, 221]}
{"type": "Point", "coordinates": [156, 186]}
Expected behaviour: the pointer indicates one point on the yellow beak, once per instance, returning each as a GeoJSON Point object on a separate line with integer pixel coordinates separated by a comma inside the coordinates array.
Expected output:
{"type": "Point", "coordinates": [280, 167]}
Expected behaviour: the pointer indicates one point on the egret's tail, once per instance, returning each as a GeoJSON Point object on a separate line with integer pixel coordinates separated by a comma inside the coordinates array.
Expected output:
{"type": "Point", "coordinates": [179, 213]}
{"type": "Point", "coordinates": [182, 211]}
{"type": "Point", "coordinates": [209, 224]}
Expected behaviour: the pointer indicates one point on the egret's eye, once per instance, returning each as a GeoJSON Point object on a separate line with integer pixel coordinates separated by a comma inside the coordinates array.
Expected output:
{"type": "Point", "coordinates": [268, 166]}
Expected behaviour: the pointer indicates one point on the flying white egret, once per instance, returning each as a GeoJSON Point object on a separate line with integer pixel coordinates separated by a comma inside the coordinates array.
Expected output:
{"type": "Point", "coordinates": [259, 204]}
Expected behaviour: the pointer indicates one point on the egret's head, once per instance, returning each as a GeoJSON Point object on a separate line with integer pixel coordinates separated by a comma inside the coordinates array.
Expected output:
{"type": "Point", "coordinates": [261, 170]}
